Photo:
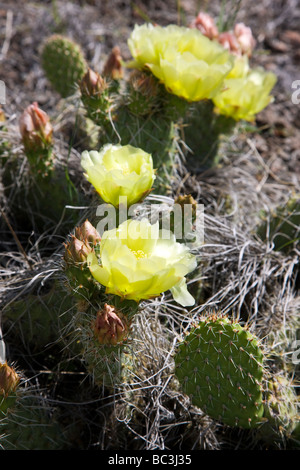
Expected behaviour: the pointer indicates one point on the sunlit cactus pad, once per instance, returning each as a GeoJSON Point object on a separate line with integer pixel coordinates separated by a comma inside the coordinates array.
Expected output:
{"type": "Point", "coordinates": [219, 365]}
{"type": "Point", "coordinates": [64, 64]}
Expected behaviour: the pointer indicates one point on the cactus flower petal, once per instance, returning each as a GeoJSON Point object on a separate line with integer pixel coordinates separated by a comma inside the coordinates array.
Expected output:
{"type": "Point", "coordinates": [245, 96]}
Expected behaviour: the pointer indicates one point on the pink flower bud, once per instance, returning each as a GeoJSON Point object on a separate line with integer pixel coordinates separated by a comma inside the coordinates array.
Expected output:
{"type": "Point", "coordinates": [206, 25]}
{"type": "Point", "coordinates": [76, 251]}
{"type": "Point", "coordinates": [230, 42]}
{"type": "Point", "coordinates": [92, 84]}
{"type": "Point", "coordinates": [245, 38]}
{"type": "Point", "coordinates": [110, 326]}
{"type": "Point", "coordinates": [143, 83]}
{"type": "Point", "coordinates": [113, 67]}
{"type": "Point", "coordinates": [35, 127]}
{"type": "Point", "coordinates": [87, 233]}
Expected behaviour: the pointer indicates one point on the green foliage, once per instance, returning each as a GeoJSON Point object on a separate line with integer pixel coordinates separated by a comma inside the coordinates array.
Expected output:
{"type": "Point", "coordinates": [223, 369]}
{"type": "Point", "coordinates": [39, 202]}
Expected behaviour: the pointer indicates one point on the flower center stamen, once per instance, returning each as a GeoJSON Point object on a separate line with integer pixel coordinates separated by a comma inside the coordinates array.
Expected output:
{"type": "Point", "coordinates": [139, 254]}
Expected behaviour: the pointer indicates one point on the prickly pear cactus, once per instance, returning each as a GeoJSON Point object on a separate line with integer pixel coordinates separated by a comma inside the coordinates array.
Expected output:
{"type": "Point", "coordinates": [79, 279]}
{"type": "Point", "coordinates": [219, 365]}
{"type": "Point", "coordinates": [281, 409]}
{"type": "Point", "coordinates": [103, 339]}
{"type": "Point", "coordinates": [282, 226]}
{"type": "Point", "coordinates": [29, 425]}
{"type": "Point", "coordinates": [38, 318]}
{"type": "Point", "coordinates": [204, 144]}
{"type": "Point", "coordinates": [63, 63]}
{"type": "Point", "coordinates": [143, 115]}
{"type": "Point", "coordinates": [95, 97]}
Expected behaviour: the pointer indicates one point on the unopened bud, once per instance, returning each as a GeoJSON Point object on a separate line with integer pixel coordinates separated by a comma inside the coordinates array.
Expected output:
{"type": "Point", "coordinates": [9, 380]}
{"type": "Point", "coordinates": [95, 97]}
{"type": "Point", "coordinates": [143, 83]}
{"type": "Point", "coordinates": [206, 25]}
{"type": "Point", "coordinates": [92, 84]}
{"type": "Point", "coordinates": [110, 326]}
{"type": "Point", "coordinates": [187, 199]}
{"type": "Point", "coordinates": [76, 251]}
{"type": "Point", "coordinates": [113, 67]}
{"type": "Point", "coordinates": [87, 233]}
{"type": "Point", "coordinates": [245, 38]}
{"type": "Point", "coordinates": [36, 129]}
{"type": "Point", "coordinates": [230, 42]}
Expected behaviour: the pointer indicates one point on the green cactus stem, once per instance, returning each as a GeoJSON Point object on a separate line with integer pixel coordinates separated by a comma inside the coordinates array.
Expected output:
{"type": "Point", "coordinates": [102, 338]}
{"type": "Point", "coordinates": [219, 365]}
{"type": "Point", "coordinates": [282, 226]}
{"type": "Point", "coordinates": [38, 319]}
{"type": "Point", "coordinates": [95, 96]}
{"type": "Point", "coordinates": [281, 410]}
{"type": "Point", "coordinates": [30, 425]}
{"type": "Point", "coordinates": [63, 63]}
{"type": "Point", "coordinates": [203, 132]}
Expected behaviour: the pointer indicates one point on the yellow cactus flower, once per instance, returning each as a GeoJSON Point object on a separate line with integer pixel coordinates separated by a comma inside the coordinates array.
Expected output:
{"type": "Point", "coordinates": [240, 67]}
{"type": "Point", "coordinates": [188, 63]}
{"type": "Point", "coordinates": [245, 93]}
{"type": "Point", "coordinates": [139, 261]}
{"type": "Point", "coordinates": [119, 171]}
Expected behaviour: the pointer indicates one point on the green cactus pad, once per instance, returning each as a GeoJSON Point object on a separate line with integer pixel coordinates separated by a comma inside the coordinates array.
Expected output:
{"type": "Point", "coordinates": [219, 365]}
{"type": "Point", "coordinates": [204, 130]}
{"type": "Point", "coordinates": [38, 319]}
{"type": "Point", "coordinates": [63, 63]}
{"type": "Point", "coordinates": [30, 426]}
{"type": "Point", "coordinates": [282, 226]}
{"type": "Point", "coordinates": [281, 409]}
